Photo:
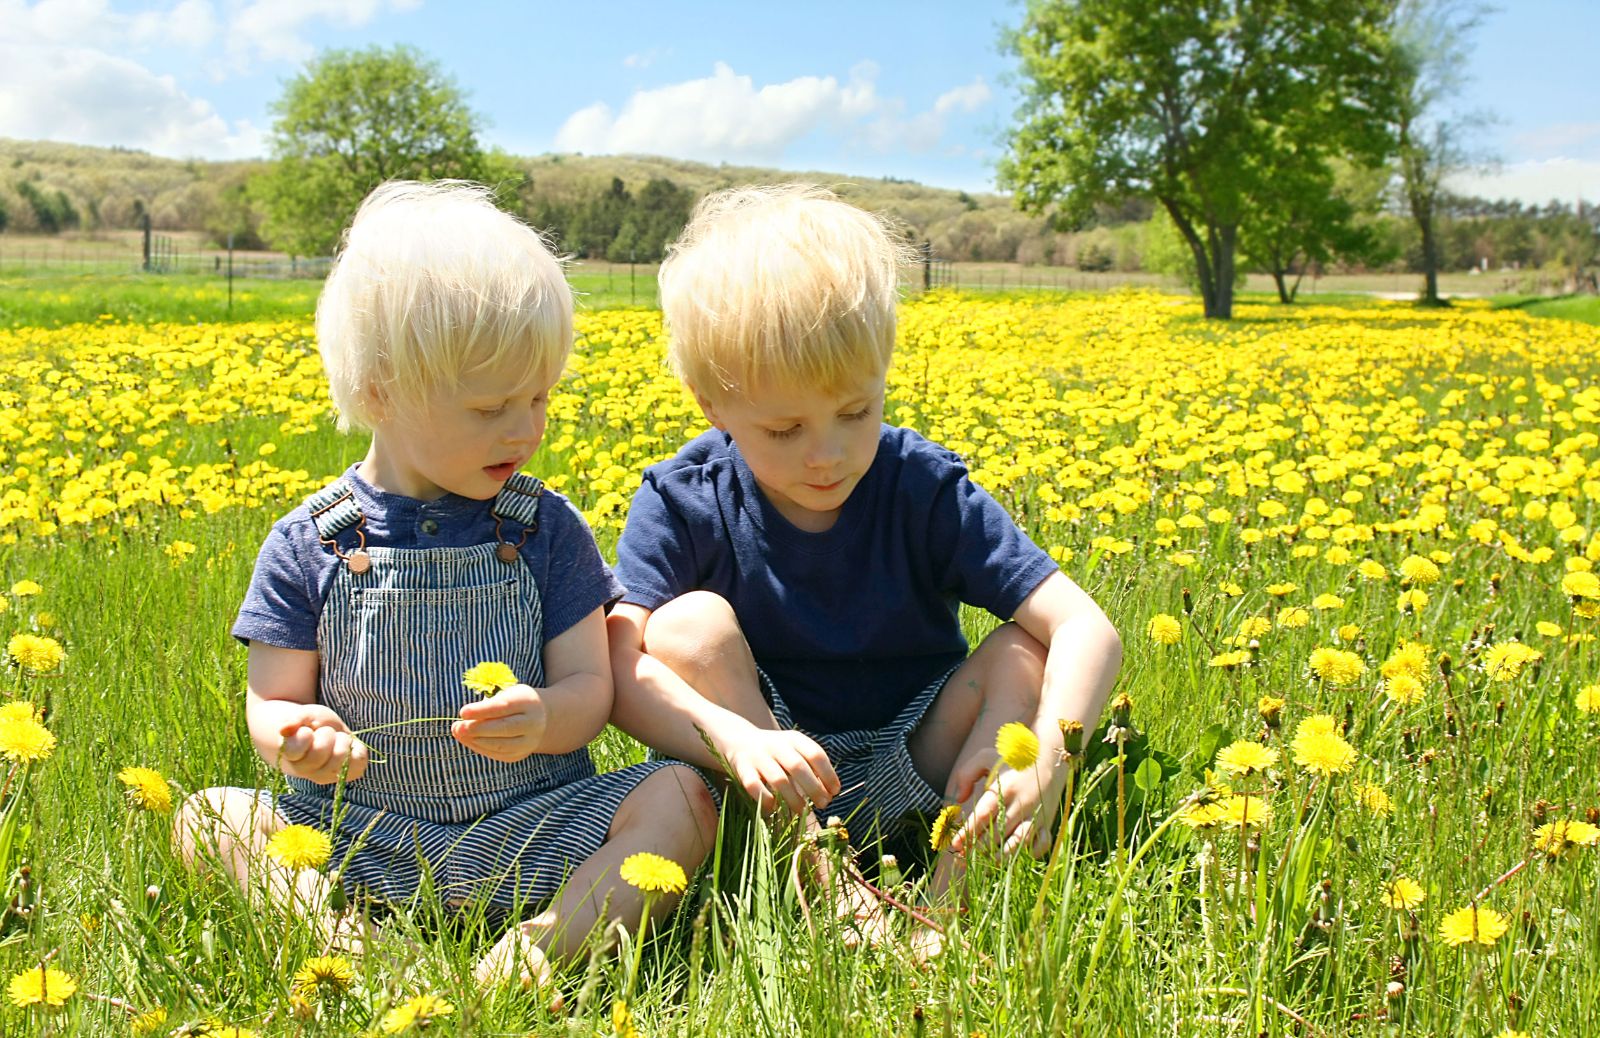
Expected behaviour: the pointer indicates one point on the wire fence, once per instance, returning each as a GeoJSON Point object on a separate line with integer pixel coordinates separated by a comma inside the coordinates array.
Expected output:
{"type": "Point", "coordinates": [24, 257]}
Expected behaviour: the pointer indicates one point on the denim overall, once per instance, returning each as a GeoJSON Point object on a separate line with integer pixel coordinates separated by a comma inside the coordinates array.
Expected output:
{"type": "Point", "coordinates": [399, 628]}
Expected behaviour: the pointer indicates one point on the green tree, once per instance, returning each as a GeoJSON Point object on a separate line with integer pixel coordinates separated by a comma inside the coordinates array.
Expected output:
{"type": "Point", "coordinates": [1311, 214]}
{"type": "Point", "coordinates": [348, 122]}
{"type": "Point", "coordinates": [1429, 46]}
{"type": "Point", "coordinates": [1198, 106]}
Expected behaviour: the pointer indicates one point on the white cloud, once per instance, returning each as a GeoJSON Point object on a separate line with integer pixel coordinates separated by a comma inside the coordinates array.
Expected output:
{"type": "Point", "coordinates": [643, 59]}
{"type": "Point", "coordinates": [728, 117]}
{"type": "Point", "coordinates": [1560, 139]}
{"type": "Point", "coordinates": [1535, 181]}
{"type": "Point", "coordinates": [93, 23]}
{"type": "Point", "coordinates": [271, 29]}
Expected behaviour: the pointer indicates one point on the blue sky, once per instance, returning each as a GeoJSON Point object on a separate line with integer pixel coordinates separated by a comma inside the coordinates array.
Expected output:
{"type": "Point", "coordinates": [919, 91]}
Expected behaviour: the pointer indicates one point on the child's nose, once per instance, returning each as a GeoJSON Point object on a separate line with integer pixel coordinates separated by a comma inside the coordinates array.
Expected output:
{"type": "Point", "coordinates": [825, 453]}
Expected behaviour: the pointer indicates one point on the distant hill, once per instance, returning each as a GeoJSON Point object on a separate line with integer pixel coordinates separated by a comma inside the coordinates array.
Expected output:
{"type": "Point", "coordinates": [109, 188]}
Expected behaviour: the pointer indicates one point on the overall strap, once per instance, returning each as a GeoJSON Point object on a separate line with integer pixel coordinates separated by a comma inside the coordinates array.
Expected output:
{"type": "Point", "coordinates": [333, 509]}
{"type": "Point", "coordinates": [518, 500]}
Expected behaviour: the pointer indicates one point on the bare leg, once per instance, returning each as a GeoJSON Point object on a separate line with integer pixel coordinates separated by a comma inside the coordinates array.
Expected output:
{"type": "Point", "coordinates": [230, 828]}
{"type": "Point", "coordinates": [953, 747]}
{"type": "Point", "coordinates": [697, 635]}
{"type": "Point", "coordinates": [670, 813]}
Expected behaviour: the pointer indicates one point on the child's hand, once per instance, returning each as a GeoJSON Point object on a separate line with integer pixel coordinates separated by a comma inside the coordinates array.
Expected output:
{"type": "Point", "coordinates": [783, 765]}
{"type": "Point", "coordinates": [317, 746]}
{"type": "Point", "coordinates": [508, 726]}
{"type": "Point", "coordinates": [1015, 794]}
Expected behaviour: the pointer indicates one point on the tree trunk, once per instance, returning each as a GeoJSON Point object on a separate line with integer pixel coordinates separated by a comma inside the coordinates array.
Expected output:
{"type": "Point", "coordinates": [1284, 295]}
{"type": "Point", "coordinates": [1430, 261]}
{"type": "Point", "coordinates": [1224, 239]}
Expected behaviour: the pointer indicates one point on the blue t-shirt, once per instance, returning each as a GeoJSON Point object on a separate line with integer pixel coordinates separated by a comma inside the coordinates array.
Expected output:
{"type": "Point", "coordinates": [850, 624]}
{"type": "Point", "coordinates": [295, 570]}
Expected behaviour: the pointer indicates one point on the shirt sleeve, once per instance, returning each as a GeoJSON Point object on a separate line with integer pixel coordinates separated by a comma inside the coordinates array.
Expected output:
{"type": "Point", "coordinates": [579, 580]}
{"type": "Point", "coordinates": [655, 555]}
{"type": "Point", "coordinates": [986, 559]}
{"type": "Point", "coordinates": [280, 607]}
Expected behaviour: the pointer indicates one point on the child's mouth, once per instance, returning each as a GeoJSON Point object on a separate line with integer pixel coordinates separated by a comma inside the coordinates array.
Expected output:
{"type": "Point", "coordinates": [501, 471]}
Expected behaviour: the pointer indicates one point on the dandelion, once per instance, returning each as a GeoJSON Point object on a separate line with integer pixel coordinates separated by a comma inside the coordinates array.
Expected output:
{"type": "Point", "coordinates": [180, 551]}
{"type": "Point", "coordinates": [1229, 660]}
{"type": "Point", "coordinates": [1412, 600]}
{"type": "Point", "coordinates": [25, 589]}
{"type": "Point", "coordinates": [146, 789]}
{"type": "Point", "coordinates": [24, 740]}
{"type": "Point", "coordinates": [1316, 724]}
{"type": "Point", "coordinates": [1228, 587]}
{"type": "Point", "coordinates": [1562, 837]}
{"type": "Point", "coordinates": [1017, 745]}
{"type": "Point", "coordinates": [1548, 629]}
{"type": "Point", "coordinates": [622, 1020]}
{"type": "Point", "coordinates": [1404, 894]}
{"type": "Point", "coordinates": [653, 874]}
{"type": "Point", "coordinates": [1165, 629]}
{"type": "Point", "coordinates": [1407, 658]}
{"type": "Point", "coordinates": [1323, 753]}
{"type": "Point", "coordinates": [1472, 925]}
{"type": "Point", "coordinates": [1280, 590]}
{"type": "Point", "coordinates": [1348, 632]}
{"type": "Point", "coordinates": [149, 1021]}
{"type": "Point", "coordinates": [489, 678]}
{"type": "Point", "coordinates": [35, 653]}
{"type": "Point", "coordinates": [1581, 584]}
{"type": "Point", "coordinates": [1504, 662]}
{"type": "Point", "coordinates": [416, 1014]}
{"type": "Point", "coordinates": [1246, 758]}
{"type": "Point", "coordinates": [1325, 603]}
{"type": "Point", "coordinates": [944, 826]}
{"type": "Point", "coordinates": [1204, 815]}
{"type": "Point", "coordinates": [1239, 810]}
{"type": "Point", "coordinates": [1588, 701]}
{"type": "Point", "coordinates": [1336, 666]}
{"type": "Point", "coordinates": [1254, 626]}
{"type": "Point", "coordinates": [1414, 569]}
{"type": "Point", "coordinates": [322, 976]}
{"type": "Point", "coordinates": [1374, 798]}
{"type": "Point", "coordinates": [1294, 618]}
{"type": "Point", "coordinates": [1371, 569]}
{"type": "Point", "coordinates": [1271, 710]}
{"type": "Point", "coordinates": [1403, 689]}
{"type": "Point", "coordinates": [41, 985]}
{"type": "Point", "coordinates": [300, 847]}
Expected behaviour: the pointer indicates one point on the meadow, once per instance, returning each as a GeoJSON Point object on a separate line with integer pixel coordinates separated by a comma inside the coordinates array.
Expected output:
{"type": "Point", "coordinates": [1349, 786]}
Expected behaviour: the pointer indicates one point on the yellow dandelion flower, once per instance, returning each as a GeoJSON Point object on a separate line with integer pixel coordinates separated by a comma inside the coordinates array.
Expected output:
{"type": "Point", "coordinates": [1323, 753]}
{"type": "Point", "coordinates": [300, 847]}
{"type": "Point", "coordinates": [1548, 629]}
{"type": "Point", "coordinates": [25, 589]}
{"type": "Point", "coordinates": [622, 1020]}
{"type": "Point", "coordinates": [944, 826]}
{"type": "Point", "coordinates": [1338, 555]}
{"type": "Point", "coordinates": [1507, 1032]}
{"type": "Point", "coordinates": [416, 1014]}
{"type": "Point", "coordinates": [1240, 810]}
{"type": "Point", "coordinates": [1206, 815]}
{"type": "Point", "coordinates": [653, 874]}
{"type": "Point", "coordinates": [1471, 925]}
{"type": "Point", "coordinates": [1372, 569]}
{"type": "Point", "coordinates": [1404, 894]}
{"type": "Point", "coordinates": [147, 789]}
{"type": "Point", "coordinates": [1581, 584]}
{"type": "Point", "coordinates": [1017, 745]}
{"type": "Point", "coordinates": [1504, 662]}
{"type": "Point", "coordinates": [42, 985]}
{"type": "Point", "coordinates": [1294, 618]}
{"type": "Point", "coordinates": [1407, 658]}
{"type": "Point", "coordinates": [1337, 666]}
{"type": "Point", "coordinates": [1279, 590]}
{"type": "Point", "coordinates": [1562, 837]}
{"type": "Point", "coordinates": [1588, 701]}
{"type": "Point", "coordinates": [1412, 600]}
{"type": "Point", "coordinates": [323, 976]}
{"type": "Point", "coordinates": [179, 551]}
{"type": "Point", "coordinates": [1324, 603]}
{"type": "Point", "coordinates": [1229, 660]}
{"type": "Point", "coordinates": [1165, 629]}
{"type": "Point", "coordinates": [1245, 757]}
{"type": "Point", "coordinates": [35, 652]}
{"type": "Point", "coordinates": [1254, 626]}
{"type": "Point", "coordinates": [1348, 632]}
{"type": "Point", "coordinates": [1317, 724]}
{"type": "Point", "coordinates": [489, 678]}
{"type": "Point", "coordinates": [149, 1021]}
{"type": "Point", "coordinates": [24, 740]}
{"type": "Point", "coordinates": [1414, 569]}
{"type": "Point", "coordinates": [1403, 689]}
{"type": "Point", "coordinates": [1270, 708]}
{"type": "Point", "coordinates": [1375, 798]}
{"type": "Point", "coordinates": [1229, 588]}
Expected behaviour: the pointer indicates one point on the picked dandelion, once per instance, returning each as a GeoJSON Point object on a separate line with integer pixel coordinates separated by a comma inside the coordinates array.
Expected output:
{"type": "Point", "coordinates": [1017, 745]}
{"type": "Point", "coordinates": [489, 678]}
{"type": "Point", "coordinates": [653, 874]}
{"type": "Point", "coordinates": [944, 828]}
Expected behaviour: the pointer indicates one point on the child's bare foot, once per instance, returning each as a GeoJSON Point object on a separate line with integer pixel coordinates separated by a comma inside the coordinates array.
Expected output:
{"type": "Point", "coordinates": [516, 956]}
{"type": "Point", "coordinates": [864, 922]}
{"type": "Point", "coordinates": [927, 944]}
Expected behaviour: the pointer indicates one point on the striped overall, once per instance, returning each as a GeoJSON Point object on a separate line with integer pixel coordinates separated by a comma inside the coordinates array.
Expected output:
{"type": "Point", "coordinates": [399, 628]}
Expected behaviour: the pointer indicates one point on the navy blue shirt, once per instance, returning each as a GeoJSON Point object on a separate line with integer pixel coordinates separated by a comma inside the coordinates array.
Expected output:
{"type": "Point", "coordinates": [850, 624]}
{"type": "Point", "coordinates": [295, 570]}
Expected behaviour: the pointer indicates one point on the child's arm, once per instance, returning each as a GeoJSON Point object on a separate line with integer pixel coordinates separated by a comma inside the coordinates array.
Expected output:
{"type": "Point", "coordinates": [290, 729]}
{"type": "Point", "coordinates": [660, 709]}
{"type": "Point", "coordinates": [1084, 655]}
{"type": "Point", "coordinates": [561, 717]}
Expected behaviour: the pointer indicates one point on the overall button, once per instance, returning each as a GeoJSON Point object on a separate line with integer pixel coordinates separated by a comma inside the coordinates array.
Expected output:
{"type": "Point", "coordinates": [430, 526]}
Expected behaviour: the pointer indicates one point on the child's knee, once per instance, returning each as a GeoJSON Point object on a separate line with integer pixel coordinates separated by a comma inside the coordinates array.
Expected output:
{"type": "Point", "coordinates": [675, 794]}
{"type": "Point", "coordinates": [211, 821]}
{"type": "Point", "coordinates": [694, 630]}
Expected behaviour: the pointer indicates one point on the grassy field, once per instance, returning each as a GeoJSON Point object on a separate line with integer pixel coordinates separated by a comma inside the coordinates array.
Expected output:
{"type": "Point", "coordinates": [1383, 519]}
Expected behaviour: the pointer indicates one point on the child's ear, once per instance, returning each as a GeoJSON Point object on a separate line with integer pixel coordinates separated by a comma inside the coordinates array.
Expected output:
{"type": "Point", "coordinates": [377, 405]}
{"type": "Point", "coordinates": [709, 409]}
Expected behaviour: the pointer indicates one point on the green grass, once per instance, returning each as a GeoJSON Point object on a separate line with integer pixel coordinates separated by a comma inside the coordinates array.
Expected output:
{"type": "Point", "coordinates": [1585, 308]}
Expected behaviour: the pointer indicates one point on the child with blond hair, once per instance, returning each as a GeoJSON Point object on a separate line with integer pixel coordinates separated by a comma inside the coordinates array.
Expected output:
{"type": "Point", "coordinates": [427, 649]}
{"type": "Point", "coordinates": [794, 575]}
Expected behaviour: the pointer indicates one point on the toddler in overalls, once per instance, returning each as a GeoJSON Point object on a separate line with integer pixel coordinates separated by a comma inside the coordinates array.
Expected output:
{"type": "Point", "coordinates": [443, 327]}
